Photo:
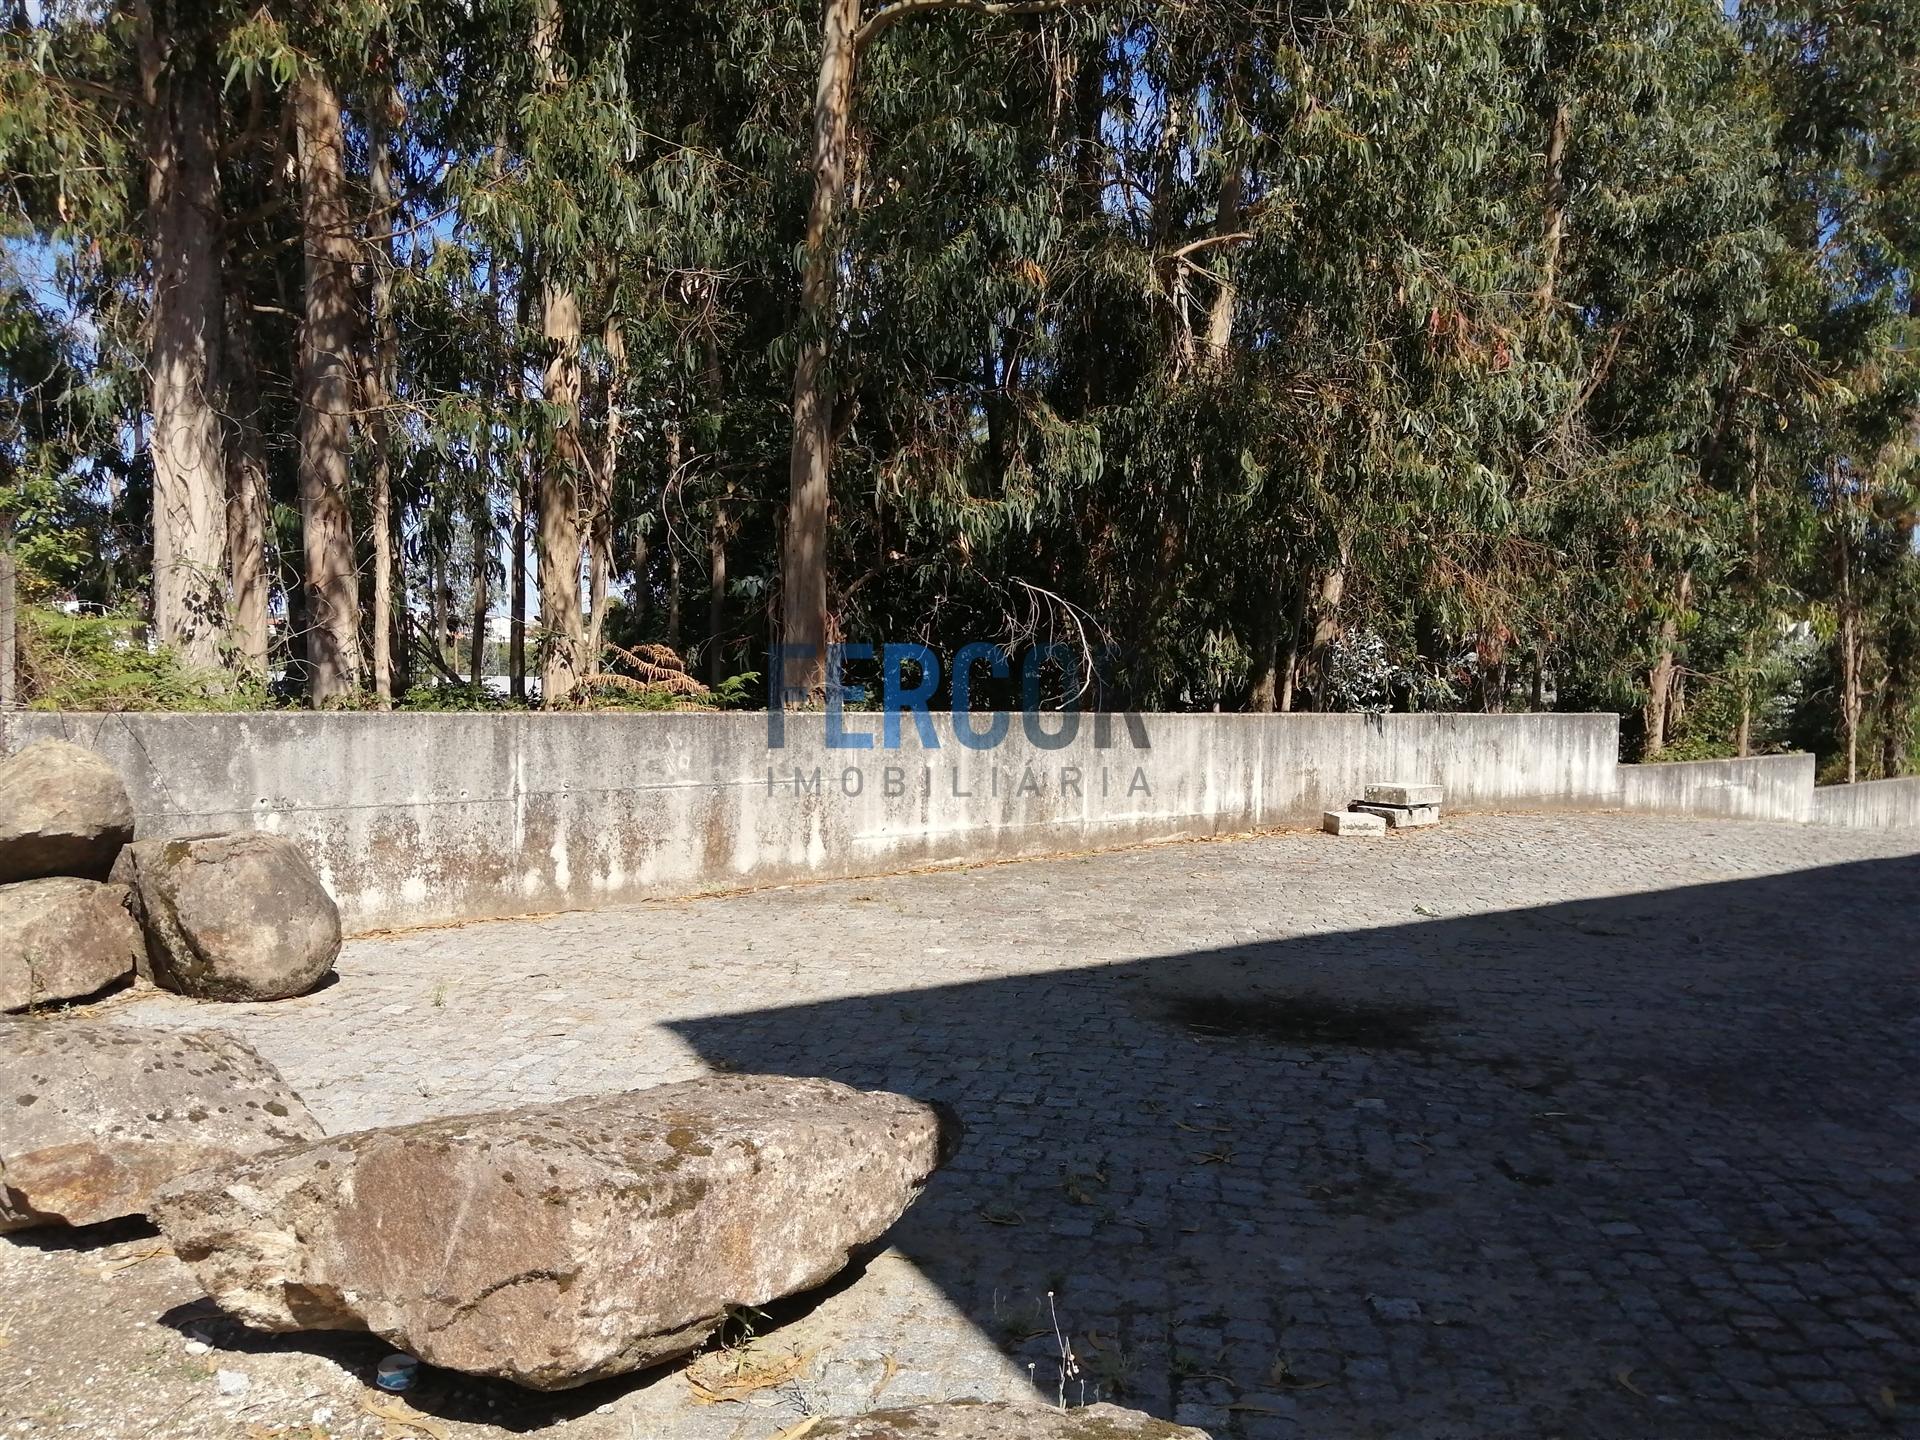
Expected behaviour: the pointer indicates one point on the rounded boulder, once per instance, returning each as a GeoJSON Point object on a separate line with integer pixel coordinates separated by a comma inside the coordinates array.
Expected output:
{"type": "Point", "coordinates": [63, 938]}
{"type": "Point", "coordinates": [63, 811]}
{"type": "Point", "coordinates": [232, 917]}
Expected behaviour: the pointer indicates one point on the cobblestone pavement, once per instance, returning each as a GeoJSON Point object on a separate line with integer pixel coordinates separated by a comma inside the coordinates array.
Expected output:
{"type": "Point", "coordinates": [1529, 1125]}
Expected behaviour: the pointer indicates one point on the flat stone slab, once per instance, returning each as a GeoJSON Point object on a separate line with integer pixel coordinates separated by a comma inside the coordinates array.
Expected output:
{"type": "Point", "coordinates": [967, 1420]}
{"type": "Point", "coordinates": [95, 1118]}
{"type": "Point", "coordinates": [552, 1245]}
{"type": "Point", "coordinates": [1352, 822]}
{"type": "Point", "coordinates": [1402, 792]}
{"type": "Point", "coordinates": [1399, 817]}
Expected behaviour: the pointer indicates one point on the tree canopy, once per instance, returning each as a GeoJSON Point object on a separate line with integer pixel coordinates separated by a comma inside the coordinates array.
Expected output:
{"type": "Point", "coordinates": [1337, 355]}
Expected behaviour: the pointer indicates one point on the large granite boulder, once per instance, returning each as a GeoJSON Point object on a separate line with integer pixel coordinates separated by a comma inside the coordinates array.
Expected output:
{"type": "Point", "coordinates": [62, 938]}
{"type": "Point", "coordinates": [556, 1244]}
{"type": "Point", "coordinates": [231, 917]}
{"type": "Point", "coordinates": [98, 1117]}
{"type": "Point", "coordinates": [967, 1420]}
{"type": "Point", "coordinates": [63, 811]}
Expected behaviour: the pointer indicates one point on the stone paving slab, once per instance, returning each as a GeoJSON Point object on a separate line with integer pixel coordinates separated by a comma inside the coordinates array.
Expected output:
{"type": "Point", "coordinates": [1588, 1126]}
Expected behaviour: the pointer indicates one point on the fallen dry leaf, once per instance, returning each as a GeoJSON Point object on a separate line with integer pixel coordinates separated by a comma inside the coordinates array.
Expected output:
{"type": "Point", "coordinates": [724, 1376]}
{"type": "Point", "coordinates": [127, 1262]}
{"type": "Point", "coordinates": [398, 1415]}
{"type": "Point", "coordinates": [891, 1369]}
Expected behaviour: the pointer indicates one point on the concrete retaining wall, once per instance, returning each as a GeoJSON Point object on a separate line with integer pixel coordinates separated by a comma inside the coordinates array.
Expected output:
{"type": "Point", "coordinates": [416, 819]}
{"type": "Point", "coordinates": [1762, 787]}
{"type": "Point", "coordinates": [1869, 805]}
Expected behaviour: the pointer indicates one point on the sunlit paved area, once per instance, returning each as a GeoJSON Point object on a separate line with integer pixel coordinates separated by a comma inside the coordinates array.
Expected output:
{"type": "Point", "coordinates": [1579, 1125]}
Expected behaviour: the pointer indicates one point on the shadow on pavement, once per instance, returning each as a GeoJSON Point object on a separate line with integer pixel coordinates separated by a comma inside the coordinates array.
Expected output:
{"type": "Point", "coordinates": [1630, 1166]}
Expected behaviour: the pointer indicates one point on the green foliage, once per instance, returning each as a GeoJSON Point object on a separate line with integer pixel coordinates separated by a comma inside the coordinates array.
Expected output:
{"type": "Point", "coordinates": [103, 662]}
{"type": "Point", "coordinates": [1373, 355]}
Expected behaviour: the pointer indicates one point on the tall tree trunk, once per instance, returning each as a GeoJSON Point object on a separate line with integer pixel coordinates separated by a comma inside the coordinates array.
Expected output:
{"type": "Point", "coordinates": [326, 395]}
{"type": "Point", "coordinates": [600, 527]}
{"type": "Point", "coordinates": [184, 332]}
{"type": "Point", "coordinates": [673, 597]}
{"type": "Point", "coordinates": [9, 616]}
{"type": "Point", "coordinates": [517, 580]}
{"type": "Point", "coordinates": [1263, 694]}
{"type": "Point", "coordinates": [480, 524]}
{"type": "Point", "coordinates": [1290, 653]}
{"type": "Point", "coordinates": [1554, 221]}
{"type": "Point", "coordinates": [437, 605]}
{"type": "Point", "coordinates": [1657, 714]}
{"type": "Point", "coordinates": [247, 493]}
{"type": "Point", "coordinates": [1226, 295]}
{"type": "Point", "coordinates": [557, 492]}
{"type": "Point", "coordinates": [640, 595]}
{"type": "Point", "coordinates": [804, 566]}
{"type": "Point", "coordinates": [673, 553]}
{"type": "Point", "coordinates": [382, 369]}
{"type": "Point", "coordinates": [1326, 626]}
{"type": "Point", "coordinates": [557, 504]}
{"type": "Point", "coordinates": [1743, 736]}
{"type": "Point", "coordinates": [1849, 644]}
{"type": "Point", "coordinates": [717, 595]}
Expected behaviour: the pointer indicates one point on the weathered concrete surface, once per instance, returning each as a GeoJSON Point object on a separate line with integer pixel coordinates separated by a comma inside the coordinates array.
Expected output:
{"type": "Point", "coordinates": [554, 1245]}
{"type": "Point", "coordinates": [1405, 793]}
{"type": "Point", "coordinates": [1761, 787]}
{"type": "Point", "coordinates": [94, 1117]}
{"type": "Point", "coordinates": [422, 818]}
{"type": "Point", "coordinates": [63, 811]}
{"type": "Point", "coordinates": [63, 938]}
{"type": "Point", "coordinates": [231, 917]}
{"type": "Point", "coordinates": [1003, 1422]}
{"type": "Point", "coordinates": [1868, 805]}
{"type": "Point", "coordinates": [1353, 822]}
{"type": "Point", "coordinates": [1400, 817]}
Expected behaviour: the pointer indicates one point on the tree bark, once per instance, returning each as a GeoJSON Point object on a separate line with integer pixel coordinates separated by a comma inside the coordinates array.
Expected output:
{"type": "Point", "coordinates": [1554, 223]}
{"type": "Point", "coordinates": [557, 504]}
{"type": "Point", "coordinates": [184, 332]}
{"type": "Point", "coordinates": [1657, 714]}
{"type": "Point", "coordinates": [326, 396]}
{"type": "Point", "coordinates": [673, 555]}
{"type": "Point", "coordinates": [382, 369]}
{"type": "Point", "coordinates": [600, 527]}
{"type": "Point", "coordinates": [517, 615]}
{"type": "Point", "coordinates": [717, 594]}
{"type": "Point", "coordinates": [1849, 642]}
{"type": "Point", "coordinates": [804, 566]}
{"type": "Point", "coordinates": [673, 598]}
{"type": "Point", "coordinates": [9, 616]}
{"type": "Point", "coordinates": [1326, 626]}
{"type": "Point", "coordinates": [1290, 655]}
{"type": "Point", "coordinates": [247, 574]}
{"type": "Point", "coordinates": [1264, 693]}
{"type": "Point", "coordinates": [1226, 295]}
{"type": "Point", "coordinates": [480, 523]}
{"type": "Point", "coordinates": [557, 491]}
{"type": "Point", "coordinates": [638, 597]}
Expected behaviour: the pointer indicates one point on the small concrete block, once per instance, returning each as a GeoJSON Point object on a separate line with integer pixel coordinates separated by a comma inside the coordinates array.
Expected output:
{"type": "Point", "coordinates": [1400, 817]}
{"type": "Point", "coordinates": [1402, 793]}
{"type": "Point", "coordinates": [1353, 822]}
